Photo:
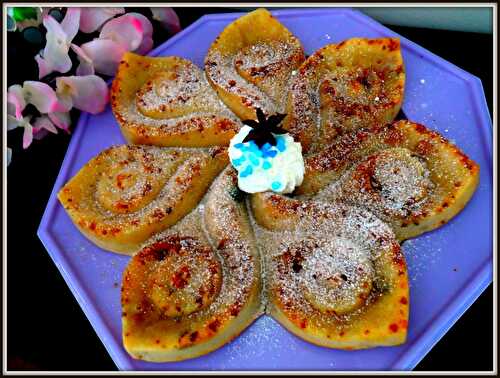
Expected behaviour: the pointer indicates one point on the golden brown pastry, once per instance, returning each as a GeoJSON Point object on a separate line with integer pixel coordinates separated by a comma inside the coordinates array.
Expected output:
{"type": "Point", "coordinates": [337, 276]}
{"type": "Point", "coordinates": [334, 272]}
{"type": "Point", "coordinates": [407, 175]}
{"type": "Point", "coordinates": [186, 295]}
{"type": "Point", "coordinates": [167, 101]}
{"type": "Point", "coordinates": [250, 64]}
{"type": "Point", "coordinates": [342, 87]}
{"type": "Point", "coordinates": [126, 194]}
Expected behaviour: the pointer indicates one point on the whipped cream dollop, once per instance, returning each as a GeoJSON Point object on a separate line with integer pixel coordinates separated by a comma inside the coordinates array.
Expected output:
{"type": "Point", "coordinates": [278, 168]}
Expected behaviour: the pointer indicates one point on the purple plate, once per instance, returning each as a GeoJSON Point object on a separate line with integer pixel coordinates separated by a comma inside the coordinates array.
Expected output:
{"type": "Point", "coordinates": [449, 267]}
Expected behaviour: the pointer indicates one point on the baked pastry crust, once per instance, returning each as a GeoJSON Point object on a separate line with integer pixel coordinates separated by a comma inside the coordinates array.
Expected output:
{"type": "Point", "coordinates": [407, 175]}
{"type": "Point", "coordinates": [355, 84]}
{"type": "Point", "coordinates": [126, 194]}
{"type": "Point", "coordinates": [215, 283]}
{"type": "Point", "coordinates": [337, 276]}
{"type": "Point", "coordinates": [250, 63]}
{"type": "Point", "coordinates": [167, 101]}
{"type": "Point", "coordinates": [332, 271]}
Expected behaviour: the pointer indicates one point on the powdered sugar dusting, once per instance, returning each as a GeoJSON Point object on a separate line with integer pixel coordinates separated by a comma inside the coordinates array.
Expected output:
{"type": "Point", "coordinates": [328, 263]}
{"type": "Point", "coordinates": [331, 96]}
{"type": "Point", "coordinates": [258, 74]}
{"type": "Point", "coordinates": [264, 332]}
{"type": "Point", "coordinates": [393, 183]}
{"type": "Point", "coordinates": [172, 102]}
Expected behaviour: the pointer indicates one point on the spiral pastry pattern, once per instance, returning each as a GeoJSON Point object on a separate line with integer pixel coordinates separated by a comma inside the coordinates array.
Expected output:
{"type": "Point", "coordinates": [167, 101]}
{"type": "Point", "coordinates": [207, 258]}
{"type": "Point", "coordinates": [342, 87]}
{"type": "Point", "coordinates": [337, 276]}
{"type": "Point", "coordinates": [183, 296]}
{"type": "Point", "coordinates": [126, 194]}
{"type": "Point", "coordinates": [407, 175]}
{"type": "Point", "coordinates": [251, 62]}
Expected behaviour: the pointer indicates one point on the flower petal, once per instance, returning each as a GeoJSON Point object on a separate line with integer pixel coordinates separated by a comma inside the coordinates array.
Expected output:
{"type": "Point", "coordinates": [168, 18]}
{"type": "Point", "coordinates": [81, 54]}
{"type": "Point", "coordinates": [147, 38]}
{"type": "Point", "coordinates": [86, 66]}
{"type": "Point", "coordinates": [85, 69]}
{"type": "Point", "coordinates": [39, 133]}
{"type": "Point", "coordinates": [55, 54]}
{"type": "Point", "coordinates": [61, 120]}
{"type": "Point", "coordinates": [105, 54]}
{"type": "Point", "coordinates": [147, 27]}
{"type": "Point", "coordinates": [145, 47]}
{"type": "Point", "coordinates": [27, 135]}
{"type": "Point", "coordinates": [92, 18]}
{"type": "Point", "coordinates": [15, 98]}
{"type": "Point", "coordinates": [43, 67]}
{"type": "Point", "coordinates": [12, 122]}
{"type": "Point", "coordinates": [126, 30]}
{"type": "Point", "coordinates": [71, 22]}
{"type": "Point", "coordinates": [44, 122]}
{"type": "Point", "coordinates": [43, 97]}
{"type": "Point", "coordinates": [89, 93]}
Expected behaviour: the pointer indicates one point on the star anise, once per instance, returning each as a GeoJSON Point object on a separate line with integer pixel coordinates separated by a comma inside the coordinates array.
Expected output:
{"type": "Point", "coordinates": [263, 129]}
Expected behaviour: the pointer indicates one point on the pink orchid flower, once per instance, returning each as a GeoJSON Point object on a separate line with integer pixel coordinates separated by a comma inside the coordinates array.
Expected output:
{"type": "Point", "coordinates": [86, 66]}
{"type": "Point", "coordinates": [42, 126]}
{"type": "Point", "coordinates": [130, 32]}
{"type": "Point", "coordinates": [168, 18]}
{"type": "Point", "coordinates": [54, 56]}
{"type": "Point", "coordinates": [61, 120]}
{"type": "Point", "coordinates": [88, 93]}
{"type": "Point", "coordinates": [91, 19]}
{"type": "Point", "coordinates": [15, 106]}
{"type": "Point", "coordinates": [103, 55]}
{"type": "Point", "coordinates": [43, 97]}
{"type": "Point", "coordinates": [28, 130]}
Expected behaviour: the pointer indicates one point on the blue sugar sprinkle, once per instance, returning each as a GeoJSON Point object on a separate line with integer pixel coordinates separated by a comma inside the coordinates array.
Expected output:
{"type": "Point", "coordinates": [239, 145]}
{"type": "Point", "coordinates": [254, 152]}
{"type": "Point", "coordinates": [266, 147]}
{"type": "Point", "coordinates": [239, 161]}
{"type": "Point", "coordinates": [270, 153]}
{"type": "Point", "coordinates": [247, 172]}
{"type": "Point", "coordinates": [266, 165]}
{"type": "Point", "coordinates": [275, 185]}
{"type": "Point", "coordinates": [281, 144]}
{"type": "Point", "coordinates": [254, 159]}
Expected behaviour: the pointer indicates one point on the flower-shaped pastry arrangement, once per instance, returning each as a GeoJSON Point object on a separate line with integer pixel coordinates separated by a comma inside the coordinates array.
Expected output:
{"type": "Point", "coordinates": [197, 197]}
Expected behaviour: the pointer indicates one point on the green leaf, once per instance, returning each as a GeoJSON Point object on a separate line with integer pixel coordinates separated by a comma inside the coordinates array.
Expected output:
{"type": "Point", "coordinates": [23, 13]}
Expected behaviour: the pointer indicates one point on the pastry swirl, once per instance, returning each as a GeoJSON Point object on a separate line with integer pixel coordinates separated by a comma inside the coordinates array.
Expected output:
{"type": "Point", "coordinates": [195, 287]}
{"type": "Point", "coordinates": [167, 101]}
{"type": "Point", "coordinates": [343, 87]}
{"type": "Point", "coordinates": [250, 64]}
{"type": "Point", "coordinates": [337, 276]}
{"type": "Point", "coordinates": [126, 194]}
{"type": "Point", "coordinates": [407, 175]}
